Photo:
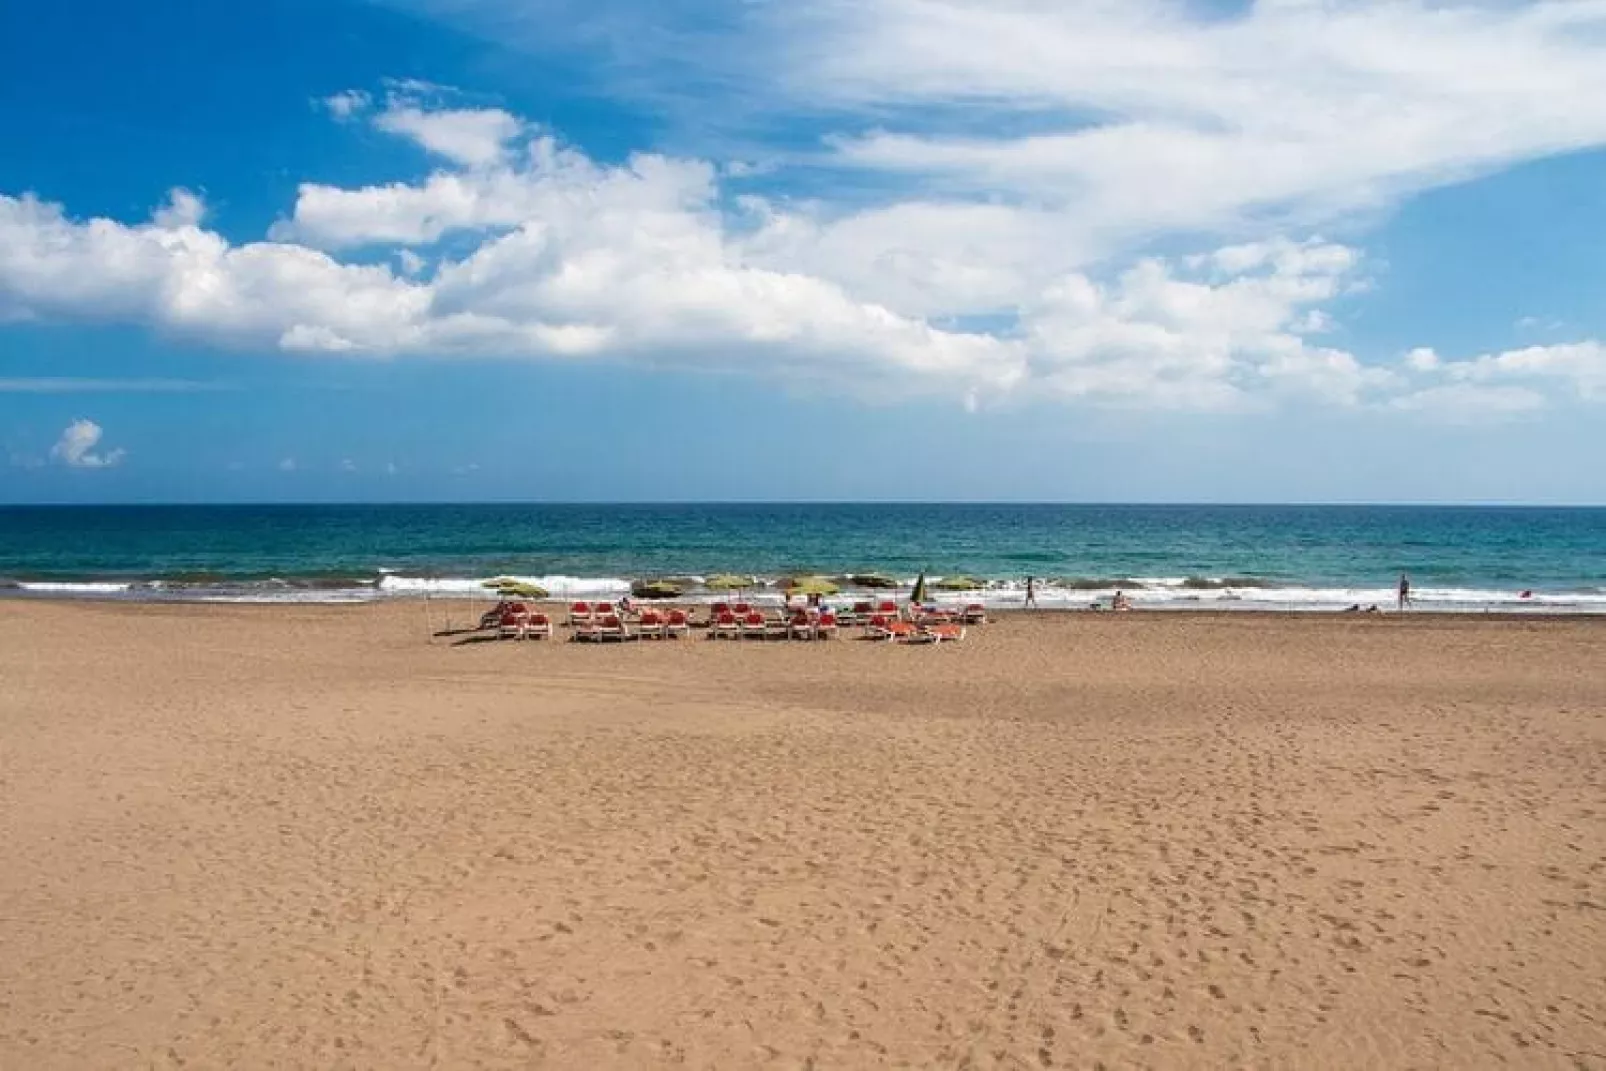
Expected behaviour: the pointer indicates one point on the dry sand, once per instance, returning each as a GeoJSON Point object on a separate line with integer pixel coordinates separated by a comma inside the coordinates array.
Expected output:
{"type": "Point", "coordinates": [306, 837]}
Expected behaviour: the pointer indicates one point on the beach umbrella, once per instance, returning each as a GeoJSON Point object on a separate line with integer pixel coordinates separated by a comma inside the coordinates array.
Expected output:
{"type": "Point", "coordinates": [499, 583]}
{"type": "Point", "coordinates": [655, 589]}
{"type": "Point", "coordinates": [810, 585]}
{"type": "Point", "coordinates": [957, 583]}
{"type": "Point", "coordinates": [521, 590]}
{"type": "Point", "coordinates": [872, 580]}
{"type": "Point", "coordinates": [728, 582]}
{"type": "Point", "coordinates": [918, 595]}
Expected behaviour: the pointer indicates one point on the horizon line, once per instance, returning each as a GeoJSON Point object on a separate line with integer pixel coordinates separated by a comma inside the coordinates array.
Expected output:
{"type": "Point", "coordinates": [1106, 503]}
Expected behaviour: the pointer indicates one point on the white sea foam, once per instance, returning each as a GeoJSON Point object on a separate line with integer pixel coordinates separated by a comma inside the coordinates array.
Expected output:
{"type": "Point", "coordinates": [54, 587]}
{"type": "Point", "coordinates": [558, 586]}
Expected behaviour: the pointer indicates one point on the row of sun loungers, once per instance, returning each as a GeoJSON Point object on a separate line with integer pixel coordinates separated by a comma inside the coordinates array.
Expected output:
{"type": "Point", "coordinates": [650, 625]}
{"type": "Point", "coordinates": [753, 625]}
{"type": "Point", "coordinates": [602, 623]}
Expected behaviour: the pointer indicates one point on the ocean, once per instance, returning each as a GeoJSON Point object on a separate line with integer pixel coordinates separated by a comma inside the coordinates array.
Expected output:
{"type": "Point", "coordinates": [1470, 559]}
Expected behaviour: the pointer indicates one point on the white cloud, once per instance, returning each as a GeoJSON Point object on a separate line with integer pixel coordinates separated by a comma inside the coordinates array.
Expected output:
{"type": "Point", "coordinates": [76, 447]}
{"type": "Point", "coordinates": [183, 209]}
{"type": "Point", "coordinates": [1469, 403]}
{"type": "Point", "coordinates": [1317, 105]}
{"type": "Point", "coordinates": [1174, 336]}
{"type": "Point", "coordinates": [347, 104]}
{"type": "Point", "coordinates": [1580, 366]}
{"type": "Point", "coordinates": [179, 276]}
{"type": "Point", "coordinates": [473, 137]}
{"type": "Point", "coordinates": [1502, 385]}
{"type": "Point", "coordinates": [1015, 275]}
{"type": "Point", "coordinates": [1422, 359]}
{"type": "Point", "coordinates": [1093, 109]}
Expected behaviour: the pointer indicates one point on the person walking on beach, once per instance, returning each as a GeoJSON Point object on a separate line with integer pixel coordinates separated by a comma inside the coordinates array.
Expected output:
{"type": "Point", "coordinates": [1031, 593]}
{"type": "Point", "coordinates": [1405, 591]}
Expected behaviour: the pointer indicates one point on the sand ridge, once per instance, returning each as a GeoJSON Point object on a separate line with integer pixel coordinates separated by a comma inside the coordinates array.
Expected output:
{"type": "Point", "coordinates": [305, 836]}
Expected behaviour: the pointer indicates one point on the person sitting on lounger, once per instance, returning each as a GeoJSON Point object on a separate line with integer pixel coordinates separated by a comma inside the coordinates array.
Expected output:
{"type": "Point", "coordinates": [1120, 602]}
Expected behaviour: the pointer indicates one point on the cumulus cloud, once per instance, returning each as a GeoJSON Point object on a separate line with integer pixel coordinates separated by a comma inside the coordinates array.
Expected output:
{"type": "Point", "coordinates": [76, 447]}
{"type": "Point", "coordinates": [1578, 366]}
{"type": "Point", "coordinates": [470, 136]}
{"type": "Point", "coordinates": [1015, 276]}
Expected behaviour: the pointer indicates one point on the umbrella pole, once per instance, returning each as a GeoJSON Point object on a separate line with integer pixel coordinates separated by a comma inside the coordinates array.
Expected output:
{"type": "Point", "coordinates": [429, 624]}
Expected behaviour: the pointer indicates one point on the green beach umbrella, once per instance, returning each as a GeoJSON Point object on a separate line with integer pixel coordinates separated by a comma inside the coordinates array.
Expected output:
{"type": "Point", "coordinates": [919, 593]}
{"type": "Point", "coordinates": [655, 589]}
{"type": "Point", "coordinates": [810, 585]}
{"type": "Point", "coordinates": [957, 583]}
{"type": "Point", "coordinates": [499, 583]}
{"type": "Point", "coordinates": [521, 590]}
{"type": "Point", "coordinates": [728, 582]}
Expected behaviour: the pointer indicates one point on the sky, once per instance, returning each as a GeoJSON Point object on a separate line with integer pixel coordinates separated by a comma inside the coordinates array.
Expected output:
{"type": "Point", "coordinates": [708, 250]}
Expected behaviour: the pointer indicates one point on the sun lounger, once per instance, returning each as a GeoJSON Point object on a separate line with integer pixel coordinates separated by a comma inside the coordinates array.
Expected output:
{"type": "Point", "coordinates": [603, 609]}
{"type": "Point", "coordinates": [511, 626]}
{"type": "Point", "coordinates": [725, 627]}
{"type": "Point", "coordinates": [741, 610]}
{"type": "Point", "coordinates": [677, 624]}
{"type": "Point", "coordinates": [800, 627]}
{"type": "Point", "coordinates": [825, 626]}
{"type": "Point", "coordinates": [974, 614]}
{"type": "Point", "coordinates": [579, 614]}
{"type": "Point", "coordinates": [754, 627]}
{"type": "Point", "coordinates": [877, 628]}
{"type": "Point", "coordinates": [904, 632]}
{"type": "Point", "coordinates": [650, 626]}
{"type": "Point", "coordinates": [610, 627]}
{"type": "Point", "coordinates": [949, 633]}
{"type": "Point", "coordinates": [538, 627]}
{"type": "Point", "coordinates": [888, 610]}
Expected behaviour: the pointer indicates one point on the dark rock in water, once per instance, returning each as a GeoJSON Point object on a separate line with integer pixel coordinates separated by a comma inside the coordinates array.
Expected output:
{"type": "Point", "coordinates": [872, 580]}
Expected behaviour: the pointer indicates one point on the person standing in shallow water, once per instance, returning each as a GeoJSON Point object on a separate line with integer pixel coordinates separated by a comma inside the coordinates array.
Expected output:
{"type": "Point", "coordinates": [1405, 591]}
{"type": "Point", "coordinates": [1031, 593]}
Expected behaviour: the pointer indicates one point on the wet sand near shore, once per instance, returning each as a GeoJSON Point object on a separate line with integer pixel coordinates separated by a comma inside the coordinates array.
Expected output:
{"type": "Point", "coordinates": [315, 836]}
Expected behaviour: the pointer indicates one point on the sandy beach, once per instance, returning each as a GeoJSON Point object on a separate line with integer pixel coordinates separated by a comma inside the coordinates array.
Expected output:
{"type": "Point", "coordinates": [317, 837]}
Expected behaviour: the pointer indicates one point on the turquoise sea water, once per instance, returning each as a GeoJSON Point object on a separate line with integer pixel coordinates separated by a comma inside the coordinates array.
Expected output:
{"type": "Point", "coordinates": [1459, 558]}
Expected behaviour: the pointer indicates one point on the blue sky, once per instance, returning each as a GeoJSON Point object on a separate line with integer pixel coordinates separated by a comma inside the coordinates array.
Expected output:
{"type": "Point", "coordinates": [929, 249]}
